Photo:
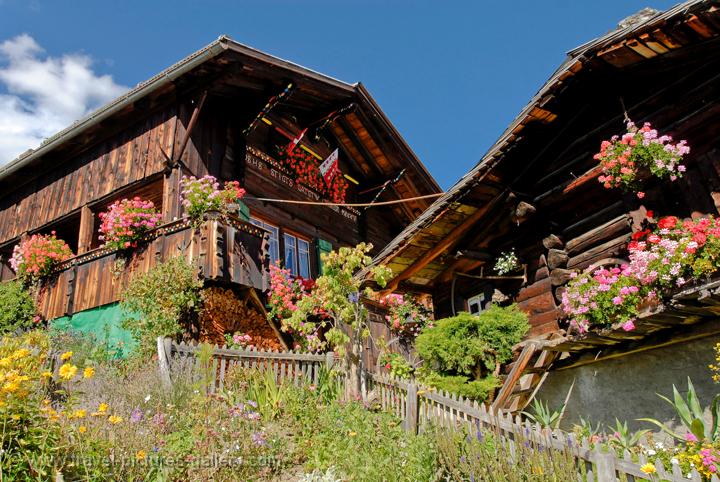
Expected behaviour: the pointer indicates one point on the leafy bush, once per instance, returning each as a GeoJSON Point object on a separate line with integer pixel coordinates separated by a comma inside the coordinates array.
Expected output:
{"type": "Point", "coordinates": [471, 345]}
{"type": "Point", "coordinates": [473, 389]}
{"type": "Point", "coordinates": [165, 299]}
{"type": "Point", "coordinates": [396, 365]}
{"type": "Point", "coordinates": [17, 307]}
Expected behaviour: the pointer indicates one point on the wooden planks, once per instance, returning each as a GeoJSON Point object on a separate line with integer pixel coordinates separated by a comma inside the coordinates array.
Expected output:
{"type": "Point", "coordinates": [123, 159]}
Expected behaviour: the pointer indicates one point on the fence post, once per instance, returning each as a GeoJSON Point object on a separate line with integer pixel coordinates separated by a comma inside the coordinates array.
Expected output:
{"type": "Point", "coordinates": [411, 408]}
{"type": "Point", "coordinates": [329, 359]}
{"type": "Point", "coordinates": [604, 466]}
{"type": "Point", "coordinates": [164, 348]}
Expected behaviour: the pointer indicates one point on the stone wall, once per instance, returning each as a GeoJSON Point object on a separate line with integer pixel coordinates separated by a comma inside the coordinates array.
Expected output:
{"type": "Point", "coordinates": [627, 387]}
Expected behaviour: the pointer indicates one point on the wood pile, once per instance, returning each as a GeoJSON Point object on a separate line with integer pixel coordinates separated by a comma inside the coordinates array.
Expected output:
{"type": "Point", "coordinates": [224, 312]}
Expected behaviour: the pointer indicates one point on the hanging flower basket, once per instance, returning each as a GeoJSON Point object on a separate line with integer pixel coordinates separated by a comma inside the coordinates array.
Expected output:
{"type": "Point", "coordinates": [38, 255]}
{"type": "Point", "coordinates": [125, 222]}
{"type": "Point", "coordinates": [627, 161]}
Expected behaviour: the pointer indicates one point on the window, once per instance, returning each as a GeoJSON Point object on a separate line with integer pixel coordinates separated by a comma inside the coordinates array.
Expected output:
{"type": "Point", "coordinates": [475, 304]}
{"type": "Point", "coordinates": [297, 255]}
{"type": "Point", "coordinates": [274, 248]}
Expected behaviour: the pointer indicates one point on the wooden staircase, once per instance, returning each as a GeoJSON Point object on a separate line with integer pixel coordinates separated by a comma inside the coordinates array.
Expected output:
{"type": "Point", "coordinates": [527, 373]}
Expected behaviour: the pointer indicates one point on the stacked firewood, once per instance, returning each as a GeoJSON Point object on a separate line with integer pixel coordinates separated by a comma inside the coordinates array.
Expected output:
{"type": "Point", "coordinates": [223, 312]}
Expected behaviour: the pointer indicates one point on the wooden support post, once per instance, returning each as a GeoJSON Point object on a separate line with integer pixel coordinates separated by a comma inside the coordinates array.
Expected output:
{"type": "Point", "coordinates": [190, 126]}
{"type": "Point", "coordinates": [87, 228]}
{"type": "Point", "coordinates": [411, 409]}
{"type": "Point", "coordinates": [164, 347]}
{"type": "Point", "coordinates": [171, 195]}
{"type": "Point", "coordinates": [329, 360]}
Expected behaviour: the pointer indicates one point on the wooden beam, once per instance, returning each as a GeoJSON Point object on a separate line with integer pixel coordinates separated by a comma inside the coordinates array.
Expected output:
{"type": "Point", "coordinates": [87, 228]}
{"type": "Point", "coordinates": [448, 241]}
{"type": "Point", "coordinates": [191, 125]}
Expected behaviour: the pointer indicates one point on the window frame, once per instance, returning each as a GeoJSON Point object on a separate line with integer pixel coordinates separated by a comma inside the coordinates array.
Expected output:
{"type": "Point", "coordinates": [296, 251]}
{"type": "Point", "coordinates": [477, 299]}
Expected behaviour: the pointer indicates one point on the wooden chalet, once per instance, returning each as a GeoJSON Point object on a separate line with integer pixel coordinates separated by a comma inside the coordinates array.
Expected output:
{"type": "Point", "coordinates": [224, 111]}
{"type": "Point", "coordinates": [536, 191]}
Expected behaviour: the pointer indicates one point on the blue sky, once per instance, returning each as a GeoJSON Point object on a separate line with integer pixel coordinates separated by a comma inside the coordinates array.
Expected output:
{"type": "Point", "coordinates": [451, 75]}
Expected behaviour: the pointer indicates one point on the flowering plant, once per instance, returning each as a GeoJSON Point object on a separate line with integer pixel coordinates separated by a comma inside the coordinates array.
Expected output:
{"type": "Point", "coordinates": [202, 195]}
{"type": "Point", "coordinates": [285, 293]}
{"type": "Point", "coordinates": [506, 263]}
{"type": "Point", "coordinates": [306, 169]}
{"type": "Point", "coordinates": [406, 316]}
{"type": "Point", "coordinates": [238, 340]}
{"type": "Point", "coordinates": [661, 258]}
{"type": "Point", "coordinates": [126, 221]}
{"type": "Point", "coordinates": [622, 158]}
{"type": "Point", "coordinates": [396, 365]}
{"type": "Point", "coordinates": [38, 255]}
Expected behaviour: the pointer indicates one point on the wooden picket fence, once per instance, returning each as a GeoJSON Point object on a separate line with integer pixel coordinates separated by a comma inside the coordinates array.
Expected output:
{"type": "Point", "coordinates": [419, 408]}
{"type": "Point", "coordinates": [180, 359]}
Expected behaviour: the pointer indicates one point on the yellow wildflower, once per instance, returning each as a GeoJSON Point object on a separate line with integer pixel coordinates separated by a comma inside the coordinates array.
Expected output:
{"type": "Point", "coordinates": [46, 374]}
{"type": "Point", "coordinates": [5, 362]}
{"type": "Point", "coordinates": [20, 353]}
{"type": "Point", "coordinates": [68, 371]}
{"type": "Point", "coordinates": [88, 372]}
{"type": "Point", "coordinates": [140, 455]}
{"type": "Point", "coordinates": [352, 434]}
{"type": "Point", "coordinates": [102, 408]}
{"type": "Point", "coordinates": [114, 419]}
{"type": "Point", "coordinates": [79, 413]}
{"type": "Point", "coordinates": [648, 468]}
{"type": "Point", "coordinates": [82, 429]}
{"type": "Point", "coordinates": [15, 416]}
{"type": "Point", "coordinates": [10, 387]}
{"type": "Point", "coordinates": [66, 356]}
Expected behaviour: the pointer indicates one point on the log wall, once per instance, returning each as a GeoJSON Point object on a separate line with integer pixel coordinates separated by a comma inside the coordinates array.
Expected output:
{"type": "Point", "coordinates": [124, 159]}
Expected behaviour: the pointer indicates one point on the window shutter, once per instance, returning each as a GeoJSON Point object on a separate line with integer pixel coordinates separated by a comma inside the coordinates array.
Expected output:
{"type": "Point", "coordinates": [243, 211]}
{"type": "Point", "coordinates": [323, 247]}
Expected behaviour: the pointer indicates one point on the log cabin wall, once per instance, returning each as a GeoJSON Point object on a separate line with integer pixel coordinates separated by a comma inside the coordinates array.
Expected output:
{"type": "Point", "coordinates": [576, 222]}
{"type": "Point", "coordinates": [124, 159]}
{"type": "Point", "coordinates": [536, 190]}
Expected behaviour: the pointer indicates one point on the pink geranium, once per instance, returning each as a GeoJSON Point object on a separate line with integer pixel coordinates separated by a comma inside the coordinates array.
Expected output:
{"type": "Point", "coordinates": [622, 157]}
{"type": "Point", "coordinates": [36, 256]}
{"type": "Point", "coordinates": [126, 221]}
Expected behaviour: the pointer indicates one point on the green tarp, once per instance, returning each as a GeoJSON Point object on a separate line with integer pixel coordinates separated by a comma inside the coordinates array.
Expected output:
{"type": "Point", "coordinates": [104, 323]}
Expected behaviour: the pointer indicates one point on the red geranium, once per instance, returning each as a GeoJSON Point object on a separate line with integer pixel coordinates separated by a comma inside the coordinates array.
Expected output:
{"type": "Point", "coordinates": [668, 222]}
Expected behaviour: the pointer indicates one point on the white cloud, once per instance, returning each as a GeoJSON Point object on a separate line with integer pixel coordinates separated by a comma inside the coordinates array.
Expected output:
{"type": "Point", "coordinates": [41, 95]}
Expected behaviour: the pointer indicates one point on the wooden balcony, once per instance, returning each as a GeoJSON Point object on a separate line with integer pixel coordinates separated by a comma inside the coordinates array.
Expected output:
{"type": "Point", "coordinates": [225, 249]}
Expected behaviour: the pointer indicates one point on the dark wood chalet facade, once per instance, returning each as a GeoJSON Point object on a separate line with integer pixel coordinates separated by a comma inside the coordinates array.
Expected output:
{"type": "Point", "coordinates": [536, 191]}
{"type": "Point", "coordinates": [222, 111]}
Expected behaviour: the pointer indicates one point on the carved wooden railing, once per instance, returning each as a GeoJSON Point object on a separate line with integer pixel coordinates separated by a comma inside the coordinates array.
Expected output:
{"type": "Point", "coordinates": [224, 248]}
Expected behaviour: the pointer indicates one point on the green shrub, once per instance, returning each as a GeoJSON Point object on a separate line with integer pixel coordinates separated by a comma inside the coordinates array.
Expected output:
{"type": "Point", "coordinates": [460, 384]}
{"type": "Point", "coordinates": [166, 298]}
{"type": "Point", "coordinates": [471, 345]}
{"type": "Point", "coordinates": [17, 307]}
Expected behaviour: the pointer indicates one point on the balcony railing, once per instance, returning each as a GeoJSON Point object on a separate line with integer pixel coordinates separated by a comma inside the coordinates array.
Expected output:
{"type": "Point", "coordinates": [224, 248]}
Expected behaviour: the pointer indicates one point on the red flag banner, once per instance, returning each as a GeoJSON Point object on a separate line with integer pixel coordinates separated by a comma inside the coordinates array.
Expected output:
{"type": "Point", "coordinates": [329, 167]}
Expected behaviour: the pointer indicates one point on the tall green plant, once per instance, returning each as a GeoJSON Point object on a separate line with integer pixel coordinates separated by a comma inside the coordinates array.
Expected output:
{"type": "Point", "coordinates": [544, 416]}
{"type": "Point", "coordinates": [691, 414]}
{"type": "Point", "coordinates": [164, 299]}
{"type": "Point", "coordinates": [335, 301]}
{"type": "Point", "coordinates": [17, 307]}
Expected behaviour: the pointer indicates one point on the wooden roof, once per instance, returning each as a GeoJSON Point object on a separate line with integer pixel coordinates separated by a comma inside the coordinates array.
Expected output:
{"type": "Point", "coordinates": [226, 68]}
{"type": "Point", "coordinates": [425, 249]}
